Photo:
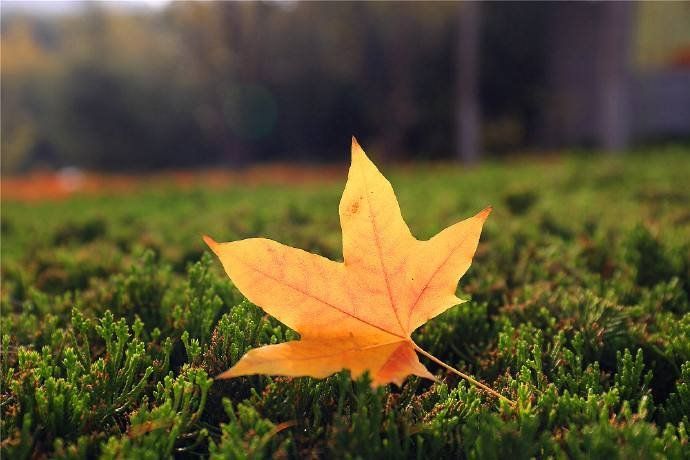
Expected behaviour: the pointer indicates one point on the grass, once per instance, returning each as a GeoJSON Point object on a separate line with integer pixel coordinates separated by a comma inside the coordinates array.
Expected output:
{"type": "Point", "coordinates": [115, 318]}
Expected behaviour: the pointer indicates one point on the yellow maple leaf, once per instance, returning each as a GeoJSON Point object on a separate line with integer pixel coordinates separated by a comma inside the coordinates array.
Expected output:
{"type": "Point", "coordinates": [359, 314]}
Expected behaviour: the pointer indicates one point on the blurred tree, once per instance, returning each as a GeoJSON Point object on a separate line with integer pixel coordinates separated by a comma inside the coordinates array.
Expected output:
{"type": "Point", "coordinates": [467, 82]}
{"type": "Point", "coordinates": [30, 73]}
{"type": "Point", "coordinates": [201, 83]}
{"type": "Point", "coordinates": [513, 73]}
{"type": "Point", "coordinates": [613, 63]}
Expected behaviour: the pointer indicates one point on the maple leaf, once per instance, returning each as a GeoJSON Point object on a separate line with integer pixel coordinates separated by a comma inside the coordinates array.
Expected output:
{"type": "Point", "coordinates": [359, 314]}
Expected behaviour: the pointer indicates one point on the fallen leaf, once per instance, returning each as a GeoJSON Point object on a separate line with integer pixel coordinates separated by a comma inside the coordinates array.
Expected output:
{"type": "Point", "coordinates": [359, 314]}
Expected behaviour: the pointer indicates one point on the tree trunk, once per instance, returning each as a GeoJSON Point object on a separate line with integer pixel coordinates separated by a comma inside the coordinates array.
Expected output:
{"type": "Point", "coordinates": [467, 146]}
{"type": "Point", "coordinates": [613, 75]}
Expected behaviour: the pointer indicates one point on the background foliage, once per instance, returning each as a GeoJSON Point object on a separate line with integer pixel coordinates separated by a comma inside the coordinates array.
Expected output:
{"type": "Point", "coordinates": [200, 83]}
{"type": "Point", "coordinates": [115, 318]}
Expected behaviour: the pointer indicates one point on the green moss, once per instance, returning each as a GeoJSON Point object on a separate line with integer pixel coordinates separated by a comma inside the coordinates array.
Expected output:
{"type": "Point", "coordinates": [578, 309]}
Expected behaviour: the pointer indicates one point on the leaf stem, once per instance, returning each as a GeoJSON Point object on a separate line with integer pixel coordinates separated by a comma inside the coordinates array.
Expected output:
{"type": "Point", "coordinates": [463, 375]}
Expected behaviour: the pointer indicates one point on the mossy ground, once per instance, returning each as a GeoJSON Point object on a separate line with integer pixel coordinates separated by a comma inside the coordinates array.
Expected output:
{"type": "Point", "coordinates": [115, 318]}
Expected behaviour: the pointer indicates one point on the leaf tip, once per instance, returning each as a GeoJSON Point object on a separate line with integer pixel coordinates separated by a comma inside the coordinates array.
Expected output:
{"type": "Point", "coordinates": [484, 213]}
{"type": "Point", "coordinates": [225, 375]}
{"type": "Point", "coordinates": [357, 151]}
{"type": "Point", "coordinates": [210, 242]}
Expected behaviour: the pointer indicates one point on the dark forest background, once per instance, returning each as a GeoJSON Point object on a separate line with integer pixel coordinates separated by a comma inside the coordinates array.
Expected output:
{"type": "Point", "coordinates": [198, 84]}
